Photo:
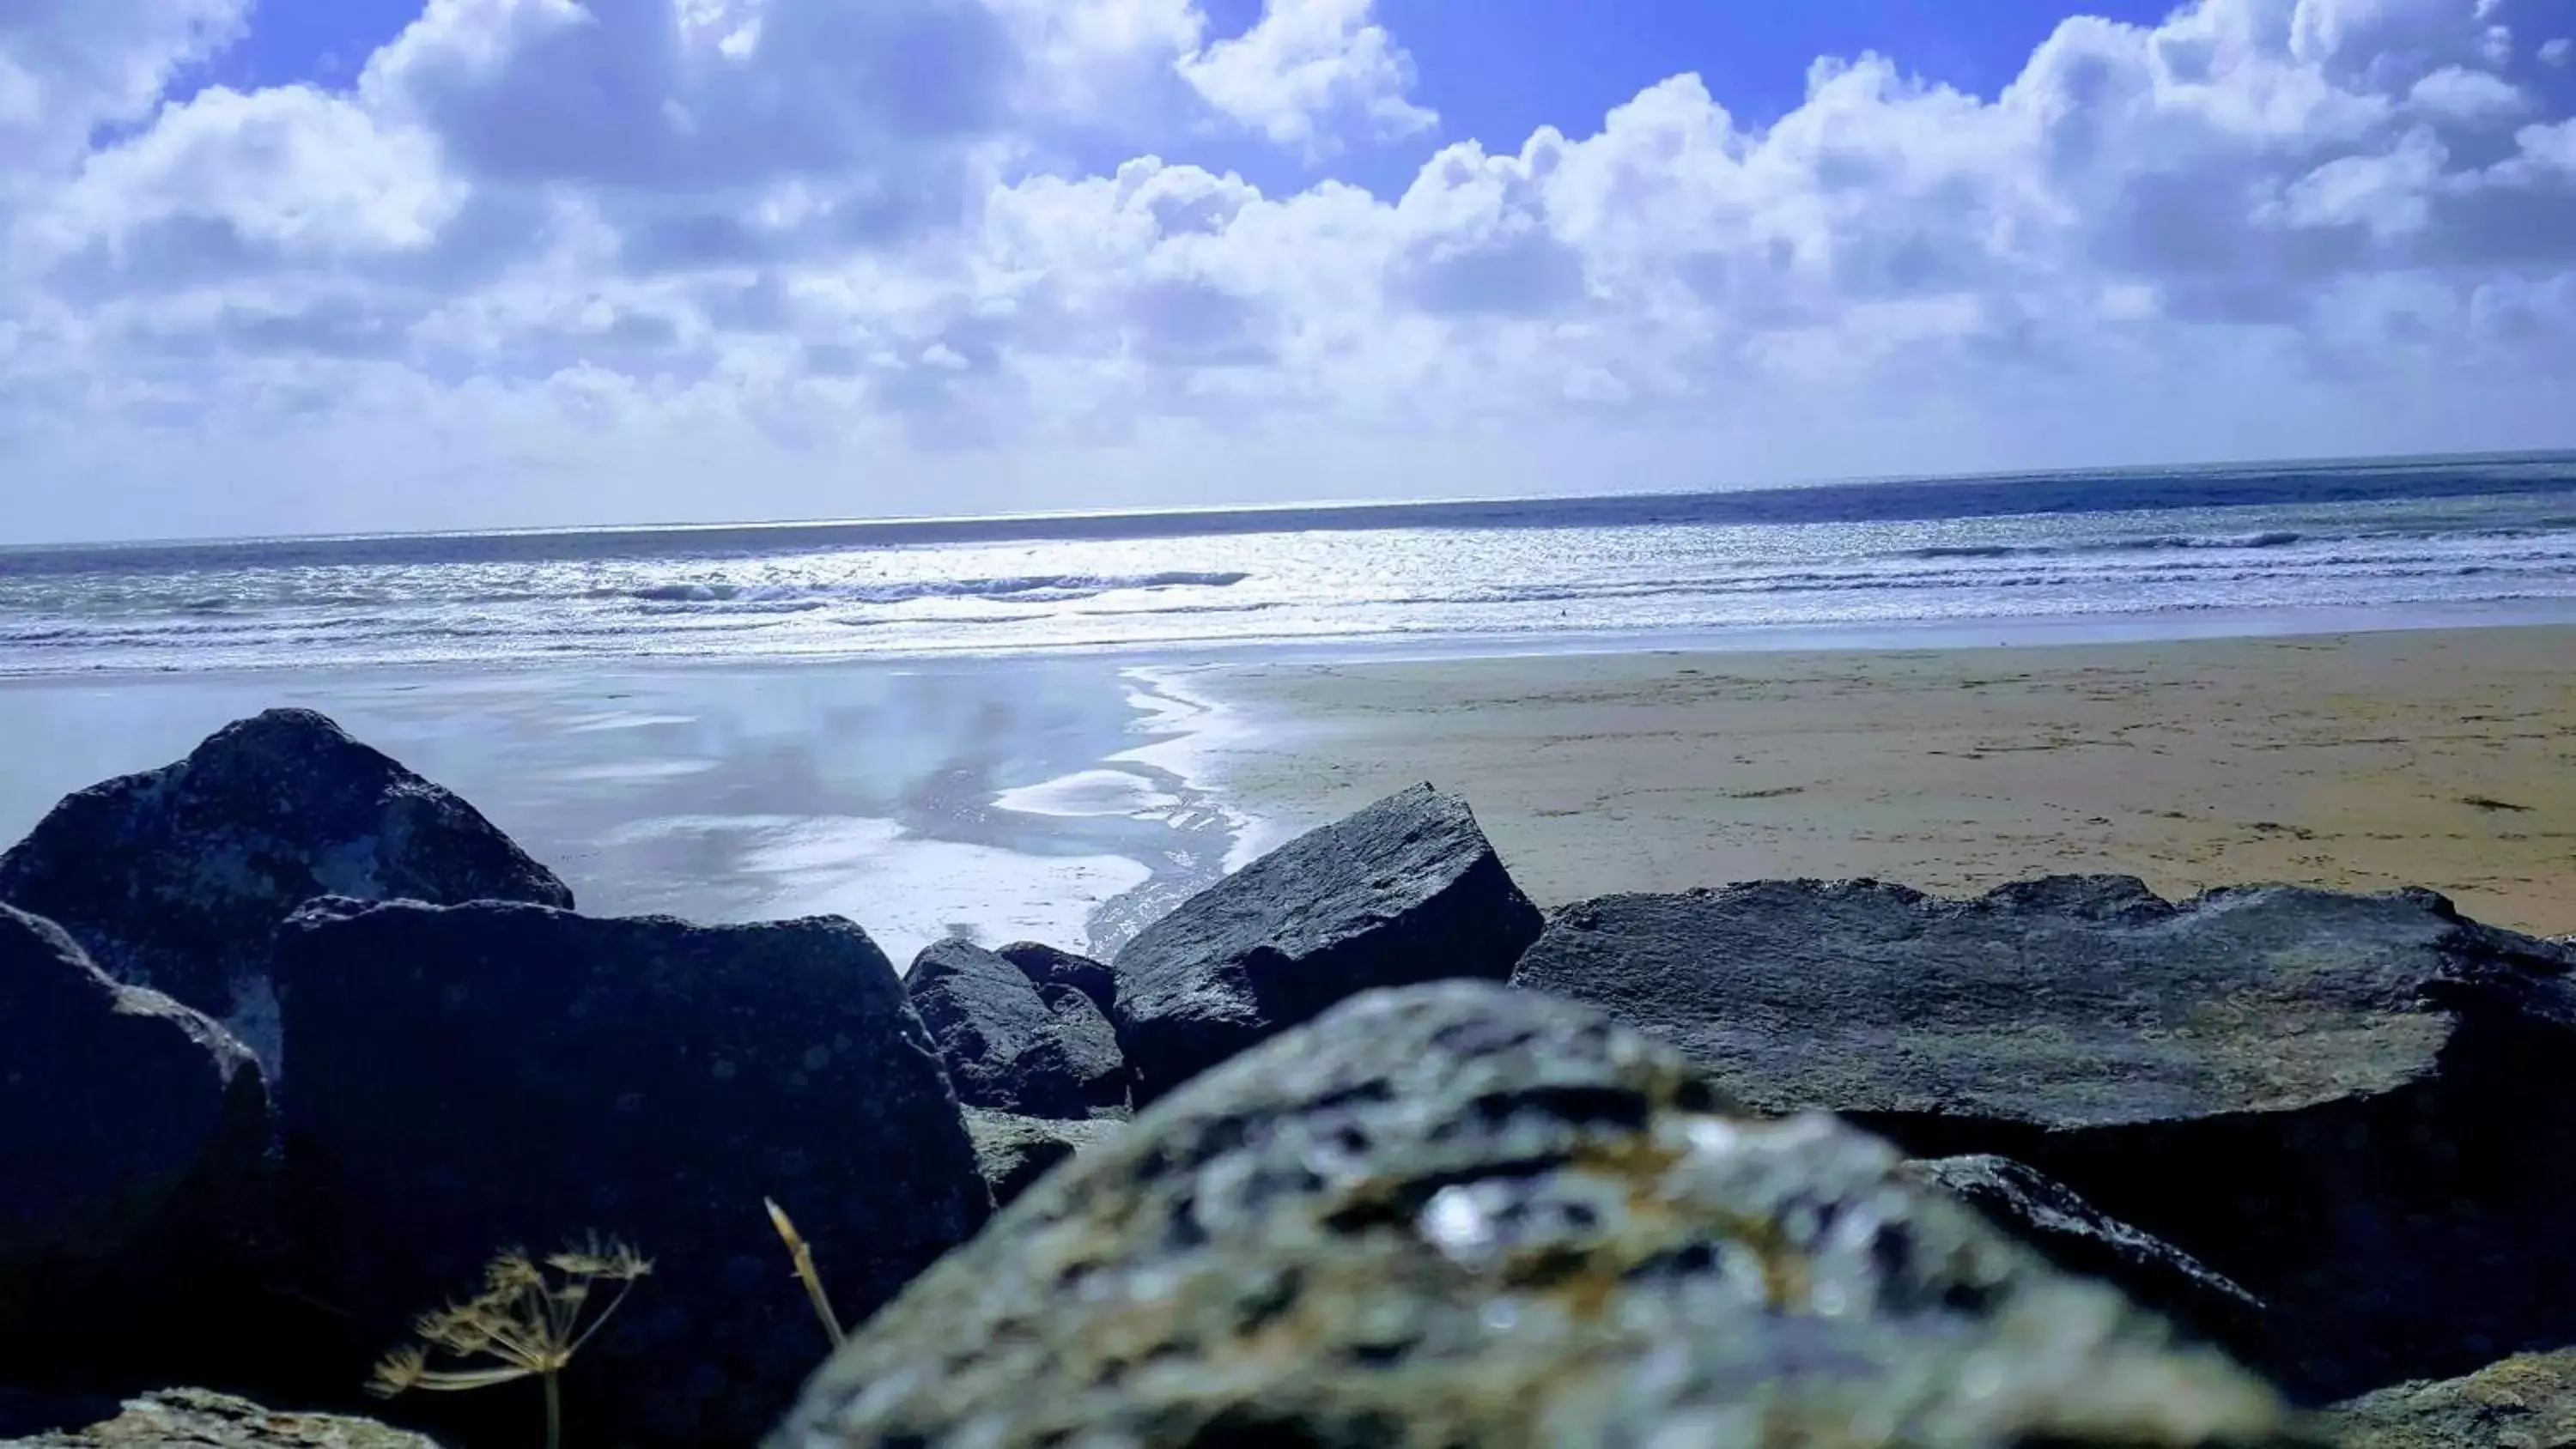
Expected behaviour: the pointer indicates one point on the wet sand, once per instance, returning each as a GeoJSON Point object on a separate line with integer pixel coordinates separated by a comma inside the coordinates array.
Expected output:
{"type": "Point", "coordinates": [2367, 761]}
{"type": "Point", "coordinates": [995, 801]}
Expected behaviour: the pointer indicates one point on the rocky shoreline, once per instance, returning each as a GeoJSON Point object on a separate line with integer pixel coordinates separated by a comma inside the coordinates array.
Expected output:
{"type": "Point", "coordinates": [1354, 1147]}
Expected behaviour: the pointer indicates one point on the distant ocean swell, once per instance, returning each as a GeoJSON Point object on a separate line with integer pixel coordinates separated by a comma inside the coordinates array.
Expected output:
{"type": "Point", "coordinates": [2372, 540]}
{"type": "Point", "coordinates": [1049, 586]}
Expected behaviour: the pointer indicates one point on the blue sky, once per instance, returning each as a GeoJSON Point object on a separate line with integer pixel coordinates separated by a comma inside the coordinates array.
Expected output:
{"type": "Point", "coordinates": [1493, 68]}
{"type": "Point", "coordinates": [1497, 67]}
{"type": "Point", "coordinates": [567, 261]}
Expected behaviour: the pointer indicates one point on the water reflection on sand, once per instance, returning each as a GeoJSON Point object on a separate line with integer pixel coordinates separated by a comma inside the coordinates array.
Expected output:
{"type": "Point", "coordinates": [1034, 799]}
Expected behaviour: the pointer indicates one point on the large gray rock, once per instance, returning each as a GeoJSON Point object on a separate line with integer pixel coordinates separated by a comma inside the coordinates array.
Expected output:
{"type": "Point", "coordinates": [1051, 966]}
{"type": "Point", "coordinates": [470, 1078]}
{"type": "Point", "coordinates": [133, 1133]}
{"type": "Point", "coordinates": [176, 878]}
{"type": "Point", "coordinates": [2360, 1108]}
{"type": "Point", "coordinates": [196, 1419]}
{"type": "Point", "coordinates": [1406, 891]}
{"type": "Point", "coordinates": [2082, 1239]}
{"type": "Point", "coordinates": [1014, 1152]}
{"type": "Point", "coordinates": [1457, 1215]}
{"type": "Point", "coordinates": [1009, 1045]}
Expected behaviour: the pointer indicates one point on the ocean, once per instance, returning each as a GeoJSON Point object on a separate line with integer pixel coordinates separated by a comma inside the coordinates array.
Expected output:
{"type": "Point", "coordinates": [2153, 552]}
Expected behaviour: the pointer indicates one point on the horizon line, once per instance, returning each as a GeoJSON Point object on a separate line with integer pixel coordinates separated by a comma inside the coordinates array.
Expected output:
{"type": "Point", "coordinates": [1117, 513]}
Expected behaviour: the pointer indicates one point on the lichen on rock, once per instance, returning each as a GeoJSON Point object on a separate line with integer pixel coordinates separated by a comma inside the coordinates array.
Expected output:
{"type": "Point", "coordinates": [196, 1419]}
{"type": "Point", "coordinates": [1456, 1214]}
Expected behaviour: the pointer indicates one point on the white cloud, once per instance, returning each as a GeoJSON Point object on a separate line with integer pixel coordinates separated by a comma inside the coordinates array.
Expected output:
{"type": "Point", "coordinates": [2557, 52]}
{"type": "Point", "coordinates": [2461, 94]}
{"type": "Point", "coordinates": [67, 66]}
{"type": "Point", "coordinates": [548, 262]}
{"type": "Point", "coordinates": [291, 169]}
{"type": "Point", "coordinates": [1307, 66]}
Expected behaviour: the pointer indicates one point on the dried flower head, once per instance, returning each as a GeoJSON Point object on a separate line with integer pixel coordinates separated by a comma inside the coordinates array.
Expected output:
{"type": "Point", "coordinates": [528, 1321]}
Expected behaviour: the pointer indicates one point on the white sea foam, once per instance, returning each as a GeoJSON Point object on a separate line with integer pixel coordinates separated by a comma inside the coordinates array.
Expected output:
{"type": "Point", "coordinates": [1197, 733]}
{"type": "Point", "coordinates": [1091, 793]}
{"type": "Point", "coordinates": [2035, 553]}
{"type": "Point", "coordinates": [908, 891]}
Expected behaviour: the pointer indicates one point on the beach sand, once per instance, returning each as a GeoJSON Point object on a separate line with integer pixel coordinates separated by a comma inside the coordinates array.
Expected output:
{"type": "Point", "coordinates": [919, 801]}
{"type": "Point", "coordinates": [2365, 762]}
{"type": "Point", "coordinates": [1073, 799]}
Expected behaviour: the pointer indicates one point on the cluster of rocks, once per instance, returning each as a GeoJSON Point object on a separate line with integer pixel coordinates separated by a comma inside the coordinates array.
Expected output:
{"type": "Point", "coordinates": [1356, 1147]}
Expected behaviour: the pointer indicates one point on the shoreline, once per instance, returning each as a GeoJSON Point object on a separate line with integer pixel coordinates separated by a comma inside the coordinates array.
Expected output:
{"type": "Point", "coordinates": [2002, 632]}
{"type": "Point", "coordinates": [915, 801]}
{"type": "Point", "coordinates": [2365, 761]}
{"type": "Point", "coordinates": [1074, 798]}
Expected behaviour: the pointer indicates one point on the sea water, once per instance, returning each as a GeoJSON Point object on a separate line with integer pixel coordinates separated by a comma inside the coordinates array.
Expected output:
{"type": "Point", "coordinates": [2109, 553]}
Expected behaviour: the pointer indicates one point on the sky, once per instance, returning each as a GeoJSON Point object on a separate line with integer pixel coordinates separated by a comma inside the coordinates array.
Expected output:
{"type": "Point", "coordinates": [275, 266]}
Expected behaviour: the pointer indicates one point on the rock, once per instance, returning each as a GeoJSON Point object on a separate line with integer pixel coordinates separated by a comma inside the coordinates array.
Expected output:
{"type": "Point", "coordinates": [2079, 1238]}
{"type": "Point", "coordinates": [2362, 1109]}
{"type": "Point", "coordinates": [1405, 891]}
{"type": "Point", "coordinates": [471, 1078]}
{"type": "Point", "coordinates": [1455, 1214]}
{"type": "Point", "coordinates": [1014, 1152]}
{"type": "Point", "coordinates": [176, 878]}
{"type": "Point", "coordinates": [133, 1133]}
{"type": "Point", "coordinates": [1010, 1047]}
{"type": "Point", "coordinates": [195, 1419]}
{"type": "Point", "coordinates": [2526, 1402]}
{"type": "Point", "coordinates": [1048, 966]}
{"type": "Point", "coordinates": [1087, 1043]}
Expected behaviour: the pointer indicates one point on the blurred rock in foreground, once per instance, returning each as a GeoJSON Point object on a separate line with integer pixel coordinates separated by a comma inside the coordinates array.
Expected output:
{"type": "Point", "coordinates": [1456, 1215]}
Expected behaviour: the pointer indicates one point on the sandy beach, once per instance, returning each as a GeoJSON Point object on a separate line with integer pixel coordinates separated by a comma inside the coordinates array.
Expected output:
{"type": "Point", "coordinates": [919, 801]}
{"type": "Point", "coordinates": [1073, 799]}
{"type": "Point", "coordinates": [2366, 761]}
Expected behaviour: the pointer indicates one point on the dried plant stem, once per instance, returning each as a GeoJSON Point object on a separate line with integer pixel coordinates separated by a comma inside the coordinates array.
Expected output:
{"type": "Point", "coordinates": [528, 1322]}
{"type": "Point", "coordinates": [803, 1257]}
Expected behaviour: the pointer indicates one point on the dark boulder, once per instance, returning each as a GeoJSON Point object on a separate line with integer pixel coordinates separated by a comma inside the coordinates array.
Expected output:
{"type": "Point", "coordinates": [1010, 1045]}
{"type": "Point", "coordinates": [1406, 891]}
{"type": "Point", "coordinates": [1014, 1152]}
{"type": "Point", "coordinates": [2362, 1109]}
{"type": "Point", "coordinates": [133, 1133]}
{"type": "Point", "coordinates": [176, 878]}
{"type": "Point", "coordinates": [2525, 1402]}
{"type": "Point", "coordinates": [1455, 1214]}
{"type": "Point", "coordinates": [1048, 966]}
{"type": "Point", "coordinates": [2080, 1238]}
{"type": "Point", "coordinates": [196, 1419]}
{"type": "Point", "coordinates": [471, 1078]}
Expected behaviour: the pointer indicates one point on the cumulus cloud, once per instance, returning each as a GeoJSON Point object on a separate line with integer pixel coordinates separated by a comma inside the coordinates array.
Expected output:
{"type": "Point", "coordinates": [549, 261]}
{"type": "Point", "coordinates": [67, 66]}
{"type": "Point", "coordinates": [1307, 67]}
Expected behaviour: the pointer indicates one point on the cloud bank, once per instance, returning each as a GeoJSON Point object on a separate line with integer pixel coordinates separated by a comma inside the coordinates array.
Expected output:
{"type": "Point", "coordinates": [547, 261]}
